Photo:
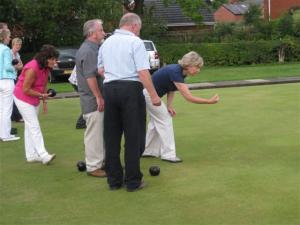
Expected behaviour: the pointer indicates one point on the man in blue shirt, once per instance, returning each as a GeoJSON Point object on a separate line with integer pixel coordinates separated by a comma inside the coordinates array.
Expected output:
{"type": "Point", "coordinates": [123, 60]}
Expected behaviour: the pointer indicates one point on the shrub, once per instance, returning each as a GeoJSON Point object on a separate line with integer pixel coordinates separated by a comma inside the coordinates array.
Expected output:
{"type": "Point", "coordinates": [236, 53]}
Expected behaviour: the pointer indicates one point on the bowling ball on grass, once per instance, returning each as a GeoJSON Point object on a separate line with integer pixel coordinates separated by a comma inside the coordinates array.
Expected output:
{"type": "Point", "coordinates": [81, 166]}
{"type": "Point", "coordinates": [154, 170]}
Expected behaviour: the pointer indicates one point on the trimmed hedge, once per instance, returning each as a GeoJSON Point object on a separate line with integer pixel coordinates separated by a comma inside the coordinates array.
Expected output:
{"type": "Point", "coordinates": [236, 53]}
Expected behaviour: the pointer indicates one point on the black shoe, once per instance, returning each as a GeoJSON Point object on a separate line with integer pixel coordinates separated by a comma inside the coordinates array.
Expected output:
{"type": "Point", "coordinates": [80, 125]}
{"type": "Point", "coordinates": [149, 156]}
{"type": "Point", "coordinates": [115, 187]}
{"type": "Point", "coordinates": [141, 186]}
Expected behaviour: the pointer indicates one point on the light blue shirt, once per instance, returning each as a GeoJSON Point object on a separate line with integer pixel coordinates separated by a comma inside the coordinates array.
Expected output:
{"type": "Point", "coordinates": [7, 71]}
{"type": "Point", "coordinates": [122, 55]}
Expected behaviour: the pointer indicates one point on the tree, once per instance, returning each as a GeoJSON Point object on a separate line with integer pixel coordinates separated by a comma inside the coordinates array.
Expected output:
{"type": "Point", "coordinates": [57, 22]}
{"type": "Point", "coordinates": [284, 44]}
{"type": "Point", "coordinates": [253, 15]}
{"type": "Point", "coordinates": [224, 31]}
{"type": "Point", "coordinates": [285, 25]}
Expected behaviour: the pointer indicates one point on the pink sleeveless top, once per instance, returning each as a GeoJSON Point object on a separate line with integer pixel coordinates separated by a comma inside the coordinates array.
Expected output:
{"type": "Point", "coordinates": [38, 85]}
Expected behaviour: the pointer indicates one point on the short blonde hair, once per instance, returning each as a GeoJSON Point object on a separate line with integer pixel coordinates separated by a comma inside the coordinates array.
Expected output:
{"type": "Point", "coordinates": [16, 41]}
{"type": "Point", "coordinates": [3, 34]}
{"type": "Point", "coordinates": [191, 59]}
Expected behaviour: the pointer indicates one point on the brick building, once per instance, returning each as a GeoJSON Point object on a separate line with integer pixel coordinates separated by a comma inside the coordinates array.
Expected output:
{"type": "Point", "coordinates": [235, 10]}
{"type": "Point", "coordinates": [275, 8]}
{"type": "Point", "coordinates": [230, 13]}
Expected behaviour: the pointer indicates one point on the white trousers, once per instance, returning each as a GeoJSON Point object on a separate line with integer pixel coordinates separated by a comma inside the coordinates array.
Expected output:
{"type": "Point", "coordinates": [160, 141]}
{"type": "Point", "coordinates": [93, 141]}
{"type": "Point", "coordinates": [6, 105]}
{"type": "Point", "coordinates": [34, 141]}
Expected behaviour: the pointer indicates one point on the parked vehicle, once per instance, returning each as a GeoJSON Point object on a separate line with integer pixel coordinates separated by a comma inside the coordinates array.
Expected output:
{"type": "Point", "coordinates": [153, 56]}
{"type": "Point", "coordinates": [66, 61]}
{"type": "Point", "coordinates": [65, 64]}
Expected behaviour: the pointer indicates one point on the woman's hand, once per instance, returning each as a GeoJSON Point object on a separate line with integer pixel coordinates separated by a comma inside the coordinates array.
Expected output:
{"type": "Point", "coordinates": [171, 111]}
{"type": "Point", "coordinates": [214, 99]}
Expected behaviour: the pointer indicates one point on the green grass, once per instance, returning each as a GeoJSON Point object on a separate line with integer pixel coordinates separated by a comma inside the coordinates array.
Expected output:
{"type": "Point", "coordinates": [241, 167]}
{"type": "Point", "coordinates": [211, 74]}
{"type": "Point", "coordinates": [61, 87]}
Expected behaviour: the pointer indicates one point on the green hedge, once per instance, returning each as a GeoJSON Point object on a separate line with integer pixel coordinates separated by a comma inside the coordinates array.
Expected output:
{"type": "Point", "coordinates": [236, 53]}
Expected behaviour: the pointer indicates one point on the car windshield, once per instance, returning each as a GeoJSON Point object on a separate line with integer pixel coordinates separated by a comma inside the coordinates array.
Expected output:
{"type": "Point", "coordinates": [67, 53]}
{"type": "Point", "coordinates": [149, 46]}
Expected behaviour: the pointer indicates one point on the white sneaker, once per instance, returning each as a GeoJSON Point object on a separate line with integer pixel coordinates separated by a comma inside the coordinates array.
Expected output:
{"type": "Point", "coordinates": [34, 159]}
{"type": "Point", "coordinates": [172, 160]}
{"type": "Point", "coordinates": [11, 138]}
{"type": "Point", "coordinates": [47, 159]}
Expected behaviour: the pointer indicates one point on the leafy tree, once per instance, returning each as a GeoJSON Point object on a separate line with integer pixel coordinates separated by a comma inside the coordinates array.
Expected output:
{"type": "Point", "coordinates": [297, 29]}
{"type": "Point", "coordinates": [152, 27]}
{"type": "Point", "coordinates": [224, 31]}
{"type": "Point", "coordinates": [253, 15]}
{"type": "Point", "coordinates": [57, 22]}
{"type": "Point", "coordinates": [285, 25]}
{"type": "Point", "coordinates": [264, 29]}
{"type": "Point", "coordinates": [285, 44]}
{"type": "Point", "coordinates": [217, 3]}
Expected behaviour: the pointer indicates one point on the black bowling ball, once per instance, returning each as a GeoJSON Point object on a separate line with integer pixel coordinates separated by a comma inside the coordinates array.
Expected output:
{"type": "Point", "coordinates": [14, 62]}
{"type": "Point", "coordinates": [52, 92]}
{"type": "Point", "coordinates": [81, 166]}
{"type": "Point", "coordinates": [154, 170]}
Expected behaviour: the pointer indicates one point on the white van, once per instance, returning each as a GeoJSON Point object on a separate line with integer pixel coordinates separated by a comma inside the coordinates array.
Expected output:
{"type": "Point", "coordinates": [153, 55]}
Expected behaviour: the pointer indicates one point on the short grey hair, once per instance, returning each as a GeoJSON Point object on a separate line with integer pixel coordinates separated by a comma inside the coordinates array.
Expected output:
{"type": "Point", "coordinates": [191, 59]}
{"type": "Point", "coordinates": [89, 27]}
{"type": "Point", "coordinates": [3, 34]}
{"type": "Point", "coordinates": [129, 19]}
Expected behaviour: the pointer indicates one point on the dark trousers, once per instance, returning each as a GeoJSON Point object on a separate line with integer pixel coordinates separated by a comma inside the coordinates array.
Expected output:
{"type": "Point", "coordinates": [125, 112]}
{"type": "Point", "coordinates": [15, 115]}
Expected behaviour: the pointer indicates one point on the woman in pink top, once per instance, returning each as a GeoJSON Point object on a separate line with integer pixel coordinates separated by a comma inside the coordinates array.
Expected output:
{"type": "Point", "coordinates": [30, 88]}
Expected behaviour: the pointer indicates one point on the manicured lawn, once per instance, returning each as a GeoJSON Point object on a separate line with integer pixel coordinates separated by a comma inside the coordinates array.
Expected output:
{"type": "Point", "coordinates": [61, 87]}
{"type": "Point", "coordinates": [241, 167]}
{"type": "Point", "coordinates": [210, 74]}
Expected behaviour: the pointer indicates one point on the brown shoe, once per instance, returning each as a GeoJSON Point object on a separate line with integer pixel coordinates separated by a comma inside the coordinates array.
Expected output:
{"type": "Point", "coordinates": [97, 173]}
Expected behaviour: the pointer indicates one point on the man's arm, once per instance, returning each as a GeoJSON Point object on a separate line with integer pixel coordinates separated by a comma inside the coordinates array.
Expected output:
{"type": "Point", "coordinates": [145, 78]}
{"type": "Point", "coordinates": [93, 85]}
